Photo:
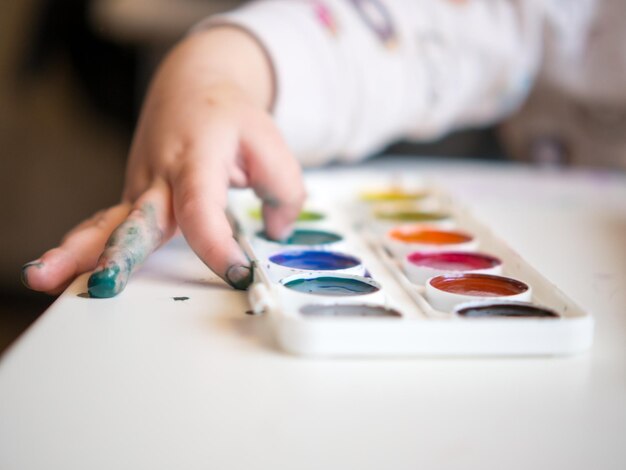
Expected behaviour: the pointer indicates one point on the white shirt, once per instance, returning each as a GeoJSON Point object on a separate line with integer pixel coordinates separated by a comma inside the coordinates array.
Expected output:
{"type": "Point", "coordinates": [354, 75]}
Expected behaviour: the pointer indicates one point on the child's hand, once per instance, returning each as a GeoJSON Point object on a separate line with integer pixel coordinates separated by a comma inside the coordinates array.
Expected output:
{"type": "Point", "coordinates": [204, 127]}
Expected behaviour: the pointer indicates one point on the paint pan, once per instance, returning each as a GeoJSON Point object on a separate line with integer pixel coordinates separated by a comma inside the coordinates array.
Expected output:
{"type": "Point", "coordinates": [332, 285]}
{"type": "Point", "coordinates": [300, 239]}
{"type": "Point", "coordinates": [386, 219]}
{"type": "Point", "coordinates": [348, 311]}
{"type": "Point", "coordinates": [447, 291]}
{"type": "Point", "coordinates": [305, 216]}
{"type": "Point", "coordinates": [428, 205]}
{"type": "Point", "coordinates": [459, 303]}
{"type": "Point", "coordinates": [412, 216]}
{"type": "Point", "coordinates": [421, 266]}
{"type": "Point", "coordinates": [504, 310]}
{"type": "Point", "coordinates": [286, 263]}
{"type": "Point", "coordinates": [393, 194]}
{"type": "Point", "coordinates": [410, 238]}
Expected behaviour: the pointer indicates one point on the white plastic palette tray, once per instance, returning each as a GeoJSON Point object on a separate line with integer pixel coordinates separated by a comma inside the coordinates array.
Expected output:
{"type": "Point", "coordinates": [405, 322]}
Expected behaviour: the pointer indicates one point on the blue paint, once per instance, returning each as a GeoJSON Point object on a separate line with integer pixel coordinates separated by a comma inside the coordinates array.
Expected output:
{"type": "Point", "coordinates": [312, 260]}
{"type": "Point", "coordinates": [333, 286]}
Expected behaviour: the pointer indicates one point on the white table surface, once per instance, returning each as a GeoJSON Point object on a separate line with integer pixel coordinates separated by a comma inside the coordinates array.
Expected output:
{"type": "Point", "coordinates": [142, 381]}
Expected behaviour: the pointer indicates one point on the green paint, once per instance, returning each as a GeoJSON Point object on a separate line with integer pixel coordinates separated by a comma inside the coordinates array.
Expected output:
{"type": "Point", "coordinates": [411, 216]}
{"type": "Point", "coordinates": [306, 238]}
{"type": "Point", "coordinates": [183, 298]}
{"type": "Point", "coordinates": [310, 216]}
{"type": "Point", "coordinates": [304, 216]}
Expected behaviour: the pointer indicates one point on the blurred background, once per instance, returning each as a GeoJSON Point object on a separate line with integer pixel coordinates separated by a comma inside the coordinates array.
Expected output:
{"type": "Point", "coordinates": [73, 73]}
{"type": "Point", "coordinates": [73, 77]}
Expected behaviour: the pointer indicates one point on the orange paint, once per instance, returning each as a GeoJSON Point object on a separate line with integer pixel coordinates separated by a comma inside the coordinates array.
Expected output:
{"type": "Point", "coordinates": [428, 236]}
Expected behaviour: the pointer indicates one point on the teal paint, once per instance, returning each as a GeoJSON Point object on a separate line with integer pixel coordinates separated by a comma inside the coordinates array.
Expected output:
{"type": "Point", "coordinates": [106, 283]}
{"type": "Point", "coordinates": [330, 285]}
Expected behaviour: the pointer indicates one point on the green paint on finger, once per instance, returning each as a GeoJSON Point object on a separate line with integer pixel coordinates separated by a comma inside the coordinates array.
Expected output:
{"type": "Point", "coordinates": [127, 248]}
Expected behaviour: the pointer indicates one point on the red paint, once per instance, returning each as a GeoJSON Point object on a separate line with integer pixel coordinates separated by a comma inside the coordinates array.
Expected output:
{"type": "Point", "coordinates": [479, 285]}
{"type": "Point", "coordinates": [454, 261]}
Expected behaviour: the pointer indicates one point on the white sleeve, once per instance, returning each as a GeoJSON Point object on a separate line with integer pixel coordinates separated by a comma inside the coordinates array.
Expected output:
{"type": "Point", "coordinates": [354, 75]}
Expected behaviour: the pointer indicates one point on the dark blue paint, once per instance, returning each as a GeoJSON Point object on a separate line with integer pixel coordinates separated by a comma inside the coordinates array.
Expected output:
{"type": "Point", "coordinates": [315, 260]}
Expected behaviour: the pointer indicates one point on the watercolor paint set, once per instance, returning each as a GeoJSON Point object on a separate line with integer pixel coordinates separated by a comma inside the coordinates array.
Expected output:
{"type": "Point", "coordinates": [390, 267]}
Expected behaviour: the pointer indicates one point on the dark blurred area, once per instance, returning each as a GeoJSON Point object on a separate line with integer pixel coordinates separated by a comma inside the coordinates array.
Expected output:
{"type": "Point", "coordinates": [73, 77]}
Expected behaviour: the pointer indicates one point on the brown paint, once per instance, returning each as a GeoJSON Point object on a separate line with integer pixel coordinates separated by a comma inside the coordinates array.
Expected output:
{"type": "Point", "coordinates": [479, 285]}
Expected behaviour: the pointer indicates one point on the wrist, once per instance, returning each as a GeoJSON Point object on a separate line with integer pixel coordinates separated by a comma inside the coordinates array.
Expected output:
{"type": "Point", "coordinates": [222, 55]}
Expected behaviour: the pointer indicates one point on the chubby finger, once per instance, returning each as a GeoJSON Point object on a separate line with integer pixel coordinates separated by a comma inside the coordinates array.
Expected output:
{"type": "Point", "coordinates": [200, 198]}
{"type": "Point", "coordinates": [275, 175]}
{"type": "Point", "coordinates": [78, 252]}
{"type": "Point", "coordinates": [149, 224]}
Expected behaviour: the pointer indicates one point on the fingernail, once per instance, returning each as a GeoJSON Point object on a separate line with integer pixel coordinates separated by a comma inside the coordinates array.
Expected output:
{"type": "Point", "coordinates": [239, 276]}
{"type": "Point", "coordinates": [38, 264]}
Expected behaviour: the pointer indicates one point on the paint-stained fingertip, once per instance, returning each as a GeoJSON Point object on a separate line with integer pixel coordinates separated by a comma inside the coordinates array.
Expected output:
{"type": "Point", "coordinates": [105, 283]}
{"type": "Point", "coordinates": [239, 276]}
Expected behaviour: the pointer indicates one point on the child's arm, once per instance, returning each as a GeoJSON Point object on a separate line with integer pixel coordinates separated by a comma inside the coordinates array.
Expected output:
{"type": "Point", "coordinates": [204, 127]}
{"type": "Point", "coordinates": [354, 75]}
